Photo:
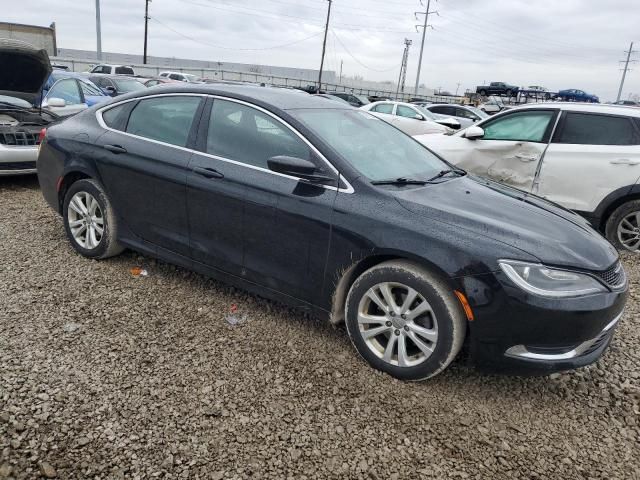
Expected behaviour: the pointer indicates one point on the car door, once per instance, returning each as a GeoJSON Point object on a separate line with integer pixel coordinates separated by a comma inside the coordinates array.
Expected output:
{"type": "Point", "coordinates": [465, 117]}
{"type": "Point", "coordinates": [510, 150]}
{"type": "Point", "coordinates": [145, 163]}
{"type": "Point", "coordinates": [590, 156]}
{"type": "Point", "coordinates": [413, 122]}
{"type": "Point", "coordinates": [273, 229]}
{"type": "Point", "coordinates": [65, 89]}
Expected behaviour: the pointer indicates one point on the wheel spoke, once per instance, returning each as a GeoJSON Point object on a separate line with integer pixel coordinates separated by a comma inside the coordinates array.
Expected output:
{"type": "Point", "coordinates": [627, 231]}
{"type": "Point", "coordinates": [409, 299]}
{"type": "Point", "coordinates": [403, 359]}
{"type": "Point", "coordinates": [99, 230]}
{"type": "Point", "coordinates": [373, 332]}
{"type": "Point", "coordinates": [76, 206]}
{"type": "Point", "coordinates": [75, 223]}
{"type": "Point", "coordinates": [375, 298]}
{"type": "Point", "coordinates": [385, 289]}
{"type": "Point", "coordinates": [423, 307]}
{"type": "Point", "coordinates": [98, 220]}
{"type": "Point", "coordinates": [637, 219]}
{"type": "Point", "coordinates": [431, 335]}
{"type": "Point", "coordinates": [78, 231]}
{"type": "Point", "coordinates": [627, 223]}
{"type": "Point", "coordinates": [632, 243]}
{"type": "Point", "coordinates": [388, 351]}
{"type": "Point", "coordinates": [366, 319]}
{"type": "Point", "coordinates": [424, 348]}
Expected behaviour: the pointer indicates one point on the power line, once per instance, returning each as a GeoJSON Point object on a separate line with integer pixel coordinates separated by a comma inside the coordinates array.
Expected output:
{"type": "Point", "coordinates": [232, 48]}
{"type": "Point", "coordinates": [356, 60]}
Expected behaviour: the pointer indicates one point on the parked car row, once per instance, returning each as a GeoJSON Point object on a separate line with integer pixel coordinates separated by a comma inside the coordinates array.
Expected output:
{"type": "Point", "coordinates": [535, 91]}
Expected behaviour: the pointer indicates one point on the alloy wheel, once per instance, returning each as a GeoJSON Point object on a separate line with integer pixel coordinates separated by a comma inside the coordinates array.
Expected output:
{"type": "Point", "coordinates": [629, 232]}
{"type": "Point", "coordinates": [85, 220]}
{"type": "Point", "coordinates": [397, 324]}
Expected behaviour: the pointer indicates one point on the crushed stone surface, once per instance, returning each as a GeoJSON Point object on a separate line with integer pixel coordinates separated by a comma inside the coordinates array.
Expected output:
{"type": "Point", "coordinates": [104, 375]}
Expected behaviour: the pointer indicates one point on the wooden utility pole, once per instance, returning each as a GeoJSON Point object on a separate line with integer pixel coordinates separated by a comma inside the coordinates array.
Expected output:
{"type": "Point", "coordinates": [324, 46]}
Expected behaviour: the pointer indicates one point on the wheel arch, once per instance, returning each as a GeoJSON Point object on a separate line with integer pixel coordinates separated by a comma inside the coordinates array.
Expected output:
{"type": "Point", "coordinates": [68, 179]}
{"type": "Point", "coordinates": [612, 201]}
{"type": "Point", "coordinates": [350, 273]}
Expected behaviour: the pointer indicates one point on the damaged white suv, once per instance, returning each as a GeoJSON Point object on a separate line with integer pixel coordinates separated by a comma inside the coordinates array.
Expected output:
{"type": "Point", "coordinates": [23, 72]}
{"type": "Point", "coordinates": [585, 157]}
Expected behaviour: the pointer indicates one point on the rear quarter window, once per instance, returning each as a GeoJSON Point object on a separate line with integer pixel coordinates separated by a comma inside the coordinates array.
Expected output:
{"type": "Point", "coordinates": [124, 70]}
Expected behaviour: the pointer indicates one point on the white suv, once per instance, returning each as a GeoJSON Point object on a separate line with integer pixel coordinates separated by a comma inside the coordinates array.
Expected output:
{"type": "Point", "coordinates": [181, 77]}
{"type": "Point", "coordinates": [584, 157]}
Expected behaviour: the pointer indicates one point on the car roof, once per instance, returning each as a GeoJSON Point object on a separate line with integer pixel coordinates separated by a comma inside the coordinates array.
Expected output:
{"type": "Point", "coordinates": [277, 98]}
{"type": "Point", "coordinates": [584, 107]}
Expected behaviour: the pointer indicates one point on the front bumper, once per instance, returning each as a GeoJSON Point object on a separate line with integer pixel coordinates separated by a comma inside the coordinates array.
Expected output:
{"type": "Point", "coordinates": [518, 333]}
{"type": "Point", "coordinates": [17, 160]}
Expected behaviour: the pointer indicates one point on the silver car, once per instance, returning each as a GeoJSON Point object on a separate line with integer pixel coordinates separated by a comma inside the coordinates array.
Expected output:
{"type": "Point", "coordinates": [25, 71]}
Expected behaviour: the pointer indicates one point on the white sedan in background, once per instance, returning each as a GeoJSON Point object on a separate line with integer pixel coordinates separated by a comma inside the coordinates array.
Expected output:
{"type": "Point", "coordinates": [585, 157]}
{"type": "Point", "coordinates": [411, 119]}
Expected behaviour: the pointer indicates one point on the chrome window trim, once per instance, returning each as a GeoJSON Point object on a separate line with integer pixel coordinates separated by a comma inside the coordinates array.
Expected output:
{"type": "Point", "coordinates": [349, 189]}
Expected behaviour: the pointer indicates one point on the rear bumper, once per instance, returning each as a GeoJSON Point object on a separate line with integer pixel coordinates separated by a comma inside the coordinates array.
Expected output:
{"type": "Point", "coordinates": [519, 334]}
{"type": "Point", "coordinates": [16, 160]}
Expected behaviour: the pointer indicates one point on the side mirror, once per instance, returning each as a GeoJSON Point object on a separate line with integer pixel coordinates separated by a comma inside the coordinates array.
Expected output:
{"type": "Point", "coordinates": [54, 102]}
{"type": "Point", "coordinates": [297, 167]}
{"type": "Point", "coordinates": [418, 116]}
{"type": "Point", "coordinates": [110, 90]}
{"type": "Point", "coordinates": [473, 133]}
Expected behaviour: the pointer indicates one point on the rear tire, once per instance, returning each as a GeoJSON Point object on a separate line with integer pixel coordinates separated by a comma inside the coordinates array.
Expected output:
{"type": "Point", "coordinates": [404, 320]}
{"type": "Point", "coordinates": [89, 220]}
{"type": "Point", "coordinates": [623, 227]}
{"type": "Point", "coordinates": [483, 93]}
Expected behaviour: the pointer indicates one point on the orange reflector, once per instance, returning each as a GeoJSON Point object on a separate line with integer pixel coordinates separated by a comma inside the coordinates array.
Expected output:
{"type": "Point", "coordinates": [465, 305]}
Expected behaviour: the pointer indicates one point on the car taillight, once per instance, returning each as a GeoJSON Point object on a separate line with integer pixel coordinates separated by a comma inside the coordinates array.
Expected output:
{"type": "Point", "coordinates": [41, 136]}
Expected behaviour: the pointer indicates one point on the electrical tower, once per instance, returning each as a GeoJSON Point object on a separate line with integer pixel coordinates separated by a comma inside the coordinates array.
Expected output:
{"type": "Point", "coordinates": [403, 66]}
{"type": "Point", "coordinates": [626, 62]}
{"type": "Point", "coordinates": [424, 33]}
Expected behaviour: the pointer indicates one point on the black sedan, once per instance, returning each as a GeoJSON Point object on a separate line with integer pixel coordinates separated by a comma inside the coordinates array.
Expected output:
{"type": "Point", "coordinates": [335, 211]}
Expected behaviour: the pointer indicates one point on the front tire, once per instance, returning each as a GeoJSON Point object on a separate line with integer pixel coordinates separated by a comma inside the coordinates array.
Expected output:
{"type": "Point", "coordinates": [623, 227]}
{"type": "Point", "coordinates": [89, 220]}
{"type": "Point", "coordinates": [404, 320]}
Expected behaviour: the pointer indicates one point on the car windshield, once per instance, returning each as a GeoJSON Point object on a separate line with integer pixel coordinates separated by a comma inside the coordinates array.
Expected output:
{"type": "Point", "coordinates": [427, 113]}
{"type": "Point", "coordinates": [192, 78]}
{"type": "Point", "coordinates": [372, 146]}
{"type": "Point", "coordinates": [89, 88]}
{"type": "Point", "coordinates": [478, 112]}
{"type": "Point", "coordinates": [363, 99]}
{"type": "Point", "coordinates": [126, 85]}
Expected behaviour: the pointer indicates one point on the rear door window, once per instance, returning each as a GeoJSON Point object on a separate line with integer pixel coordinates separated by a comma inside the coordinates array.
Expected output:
{"type": "Point", "coordinates": [407, 112]}
{"type": "Point", "coordinates": [124, 70]}
{"type": "Point", "coordinates": [383, 108]}
{"type": "Point", "coordinates": [530, 126]}
{"type": "Point", "coordinates": [166, 119]}
{"type": "Point", "coordinates": [443, 110]}
{"type": "Point", "coordinates": [245, 134]}
{"type": "Point", "coordinates": [594, 129]}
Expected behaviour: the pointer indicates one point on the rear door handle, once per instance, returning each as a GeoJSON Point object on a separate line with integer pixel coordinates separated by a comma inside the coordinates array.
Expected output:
{"type": "Point", "coordinates": [115, 148]}
{"type": "Point", "coordinates": [624, 161]}
{"type": "Point", "coordinates": [208, 172]}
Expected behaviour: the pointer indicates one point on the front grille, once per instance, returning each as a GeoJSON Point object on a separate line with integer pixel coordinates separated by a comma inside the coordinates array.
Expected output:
{"type": "Point", "coordinates": [17, 166]}
{"type": "Point", "coordinates": [19, 139]}
{"type": "Point", "coordinates": [614, 276]}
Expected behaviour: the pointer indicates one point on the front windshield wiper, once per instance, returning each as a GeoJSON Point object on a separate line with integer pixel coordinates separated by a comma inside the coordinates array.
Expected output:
{"type": "Point", "coordinates": [400, 181]}
{"type": "Point", "coordinates": [442, 173]}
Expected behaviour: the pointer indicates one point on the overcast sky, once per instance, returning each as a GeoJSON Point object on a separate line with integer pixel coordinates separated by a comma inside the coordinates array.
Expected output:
{"type": "Point", "coordinates": [557, 44]}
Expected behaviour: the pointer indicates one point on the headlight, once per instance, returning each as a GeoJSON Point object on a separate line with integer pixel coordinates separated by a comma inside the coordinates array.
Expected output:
{"type": "Point", "coordinates": [550, 282]}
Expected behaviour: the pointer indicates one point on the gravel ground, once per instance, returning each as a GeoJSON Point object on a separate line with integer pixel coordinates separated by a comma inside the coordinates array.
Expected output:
{"type": "Point", "coordinates": [107, 376]}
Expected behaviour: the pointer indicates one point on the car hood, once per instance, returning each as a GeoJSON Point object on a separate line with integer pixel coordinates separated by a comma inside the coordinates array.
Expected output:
{"type": "Point", "coordinates": [24, 71]}
{"type": "Point", "coordinates": [529, 223]}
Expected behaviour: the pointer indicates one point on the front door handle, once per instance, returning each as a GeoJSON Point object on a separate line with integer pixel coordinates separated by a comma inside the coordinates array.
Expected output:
{"type": "Point", "coordinates": [208, 172]}
{"type": "Point", "coordinates": [624, 161]}
{"type": "Point", "coordinates": [115, 148]}
{"type": "Point", "coordinates": [526, 158]}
